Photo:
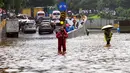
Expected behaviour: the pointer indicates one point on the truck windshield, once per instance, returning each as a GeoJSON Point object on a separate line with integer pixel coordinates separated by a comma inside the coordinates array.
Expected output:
{"type": "Point", "coordinates": [41, 14]}
{"type": "Point", "coordinates": [56, 13]}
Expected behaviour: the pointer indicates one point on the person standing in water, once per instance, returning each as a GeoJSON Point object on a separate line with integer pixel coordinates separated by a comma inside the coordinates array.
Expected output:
{"type": "Point", "coordinates": [62, 36]}
{"type": "Point", "coordinates": [108, 35]}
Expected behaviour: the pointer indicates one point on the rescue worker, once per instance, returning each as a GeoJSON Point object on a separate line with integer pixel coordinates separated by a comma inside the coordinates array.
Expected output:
{"type": "Point", "coordinates": [62, 35]}
{"type": "Point", "coordinates": [108, 35]}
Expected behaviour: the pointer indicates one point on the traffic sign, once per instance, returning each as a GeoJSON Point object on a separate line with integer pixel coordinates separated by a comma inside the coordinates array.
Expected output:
{"type": "Point", "coordinates": [62, 6]}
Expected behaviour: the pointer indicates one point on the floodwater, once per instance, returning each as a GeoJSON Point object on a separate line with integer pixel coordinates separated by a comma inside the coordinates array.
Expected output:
{"type": "Point", "coordinates": [86, 54]}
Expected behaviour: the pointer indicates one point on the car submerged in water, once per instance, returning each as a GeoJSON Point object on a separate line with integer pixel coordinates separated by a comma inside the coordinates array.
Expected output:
{"type": "Point", "coordinates": [45, 26]}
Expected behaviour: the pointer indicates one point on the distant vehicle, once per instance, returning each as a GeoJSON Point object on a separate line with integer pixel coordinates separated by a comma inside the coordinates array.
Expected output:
{"type": "Point", "coordinates": [12, 28]}
{"type": "Point", "coordinates": [56, 17]}
{"type": "Point", "coordinates": [40, 14]}
{"type": "Point", "coordinates": [56, 14]}
{"type": "Point", "coordinates": [30, 26]}
{"type": "Point", "coordinates": [22, 19]}
{"type": "Point", "coordinates": [45, 26]}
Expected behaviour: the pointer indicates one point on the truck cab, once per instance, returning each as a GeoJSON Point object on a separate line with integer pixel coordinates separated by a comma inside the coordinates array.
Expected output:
{"type": "Point", "coordinates": [56, 17]}
{"type": "Point", "coordinates": [40, 14]}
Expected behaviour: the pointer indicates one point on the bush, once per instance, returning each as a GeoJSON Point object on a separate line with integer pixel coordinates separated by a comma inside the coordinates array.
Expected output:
{"type": "Point", "coordinates": [90, 18]}
{"type": "Point", "coordinates": [90, 15]}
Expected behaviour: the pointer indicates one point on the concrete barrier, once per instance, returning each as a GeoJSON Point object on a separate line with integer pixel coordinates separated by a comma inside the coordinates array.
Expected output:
{"type": "Point", "coordinates": [78, 32]}
{"type": "Point", "coordinates": [83, 30]}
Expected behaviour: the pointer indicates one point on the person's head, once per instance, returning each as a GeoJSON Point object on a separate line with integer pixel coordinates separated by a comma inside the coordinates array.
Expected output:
{"type": "Point", "coordinates": [62, 29]}
{"type": "Point", "coordinates": [74, 21]}
{"type": "Point", "coordinates": [74, 17]}
{"type": "Point", "coordinates": [70, 18]}
{"type": "Point", "coordinates": [108, 30]}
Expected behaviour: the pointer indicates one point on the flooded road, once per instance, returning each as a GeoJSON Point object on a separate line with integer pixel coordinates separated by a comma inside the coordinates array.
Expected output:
{"type": "Point", "coordinates": [86, 54]}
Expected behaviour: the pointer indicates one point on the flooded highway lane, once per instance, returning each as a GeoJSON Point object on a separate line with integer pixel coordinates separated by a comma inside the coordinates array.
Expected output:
{"type": "Point", "coordinates": [86, 54]}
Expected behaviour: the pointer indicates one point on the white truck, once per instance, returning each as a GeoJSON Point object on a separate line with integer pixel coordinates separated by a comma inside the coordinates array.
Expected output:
{"type": "Point", "coordinates": [12, 28]}
{"type": "Point", "coordinates": [56, 17]}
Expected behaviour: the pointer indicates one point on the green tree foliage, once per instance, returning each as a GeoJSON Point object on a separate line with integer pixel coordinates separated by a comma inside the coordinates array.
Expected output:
{"type": "Point", "coordinates": [73, 4]}
{"type": "Point", "coordinates": [1, 3]}
{"type": "Point", "coordinates": [121, 12]}
{"type": "Point", "coordinates": [122, 7]}
{"type": "Point", "coordinates": [17, 5]}
{"type": "Point", "coordinates": [84, 4]}
{"type": "Point", "coordinates": [99, 4]}
{"type": "Point", "coordinates": [39, 3]}
{"type": "Point", "coordinates": [125, 3]}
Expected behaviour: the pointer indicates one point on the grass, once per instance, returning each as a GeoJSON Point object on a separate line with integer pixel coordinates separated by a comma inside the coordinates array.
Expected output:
{"type": "Point", "coordinates": [94, 17]}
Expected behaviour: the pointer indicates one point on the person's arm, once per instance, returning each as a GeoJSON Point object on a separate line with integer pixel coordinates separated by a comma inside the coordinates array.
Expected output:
{"type": "Point", "coordinates": [67, 29]}
{"type": "Point", "coordinates": [106, 33]}
{"type": "Point", "coordinates": [111, 34]}
{"type": "Point", "coordinates": [65, 34]}
{"type": "Point", "coordinates": [58, 35]}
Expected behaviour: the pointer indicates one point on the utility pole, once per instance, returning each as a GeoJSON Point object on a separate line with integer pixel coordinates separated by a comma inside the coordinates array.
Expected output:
{"type": "Point", "coordinates": [13, 4]}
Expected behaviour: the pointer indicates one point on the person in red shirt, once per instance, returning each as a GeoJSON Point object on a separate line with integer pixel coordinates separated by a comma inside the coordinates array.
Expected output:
{"type": "Point", "coordinates": [62, 36]}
